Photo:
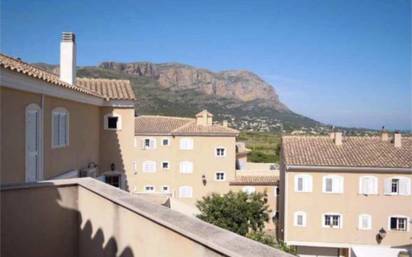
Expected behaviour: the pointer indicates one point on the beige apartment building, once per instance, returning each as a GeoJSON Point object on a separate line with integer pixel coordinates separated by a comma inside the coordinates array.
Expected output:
{"type": "Point", "coordinates": [346, 196]}
{"type": "Point", "coordinates": [186, 158]}
{"type": "Point", "coordinates": [63, 126]}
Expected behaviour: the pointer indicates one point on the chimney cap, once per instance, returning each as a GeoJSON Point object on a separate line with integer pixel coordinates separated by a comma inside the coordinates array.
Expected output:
{"type": "Point", "coordinates": [68, 37]}
{"type": "Point", "coordinates": [204, 112]}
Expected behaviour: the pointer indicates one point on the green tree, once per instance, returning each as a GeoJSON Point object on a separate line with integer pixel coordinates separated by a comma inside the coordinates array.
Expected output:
{"type": "Point", "coordinates": [235, 211]}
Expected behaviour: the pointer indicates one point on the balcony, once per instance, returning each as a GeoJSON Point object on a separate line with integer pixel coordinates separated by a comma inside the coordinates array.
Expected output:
{"type": "Point", "coordinates": [85, 217]}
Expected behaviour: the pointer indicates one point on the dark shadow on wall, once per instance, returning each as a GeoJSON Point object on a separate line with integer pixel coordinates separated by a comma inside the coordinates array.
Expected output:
{"type": "Point", "coordinates": [44, 222]}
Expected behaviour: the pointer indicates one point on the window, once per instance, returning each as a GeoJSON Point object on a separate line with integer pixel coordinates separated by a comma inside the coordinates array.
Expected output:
{"type": "Point", "coordinates": [220, 152]}
{"type": "Point", "coordinates": [368, 185]}
{"type": "Point", "coordinates": [249, 189]}
{"type": "Point", "coordinates": [60, 127]}
{"type": "Point", "coordinates": [220, 176]}
{"type": "Point", "coordinates": [112, 121]}
{"type": "Point", "coordinates": [165, 189]}
{"type": "Point", "coordinates": [398, 223]}
{"type": "Point", "coordinates": [303, 183]}
{"type": "Point", "coordinates": [333, 184]}
{"type": "Point", "coordinates": [113, 180]}
{"type": "Point", "coordinates": [165, 165]}
{"type": "Point", "coordinates": [165, 141]}
{"type": "Point", "coordinates": [299, 219]}
{"type": "Point", "coordinates": [149, 143]}
{"type": "Point", "coordinates": [149, 166]}
{"type": "Point", "coordinates": [397, 186]}
{"type": "Point", "coordinates": [186, 167]}
{"type": "Point", "coordinates": [186, 144]}
{"type": "Point", "coordinates": [332, 220]}
{"type": "Point", "coordinates": [149, 189]}
{"type": "Point", "coordinates": [185, 192]}
{"type": "Point", "coordinates": [365, 222]}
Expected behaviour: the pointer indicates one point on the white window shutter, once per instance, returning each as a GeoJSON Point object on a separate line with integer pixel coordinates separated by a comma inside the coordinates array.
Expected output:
{"type": "Point", "coordinates": [56, 122]}
{"type": "Point", "coordinates": [404, 186]}
{"type": "Point", "coordinates": [362, 185]}
{"type": "Point", "coordinates": [308, 184]}
{"type": "Point", "coordinates": [143, 143]}
{"type": "Point", "coordinates": [387, 186]}
{"type": "Point", "coordinates": [62, 129]}
{"type": "Point", "coordinates": [373, 183]}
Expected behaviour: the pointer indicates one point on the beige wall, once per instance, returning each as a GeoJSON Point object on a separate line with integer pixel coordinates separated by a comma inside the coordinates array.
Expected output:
{"type": "Point", "coordinates": [116, 146]}
{"type": "Point", "coordinates": [83, 138]}
{"type": "Point", "coordinates": [350, 204]}
{"type": "Point", "coordinates": [204, 162]}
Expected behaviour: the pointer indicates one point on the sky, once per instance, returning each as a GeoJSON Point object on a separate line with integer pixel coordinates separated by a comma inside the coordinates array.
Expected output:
{"type": "Point", "coordinates": [341, 62]}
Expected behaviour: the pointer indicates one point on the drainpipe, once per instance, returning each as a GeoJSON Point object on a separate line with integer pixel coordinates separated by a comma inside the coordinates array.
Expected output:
{"type": "Point", "coordinates": [41, 171]}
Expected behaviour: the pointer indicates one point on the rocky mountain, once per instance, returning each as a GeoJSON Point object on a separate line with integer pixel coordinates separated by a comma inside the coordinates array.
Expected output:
{"type": "Point", "coordinates": [239, 96]}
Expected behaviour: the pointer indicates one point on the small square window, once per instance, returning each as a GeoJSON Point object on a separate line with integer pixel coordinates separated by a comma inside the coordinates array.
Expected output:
{"type": "Point", "coordinates": [220, 152]}
{"type": "Point", "coordinates": [149, 188]}
{"type": "Point", "coordinates": [395, 186]}
{"type": "Point", "coordinates": [165, 189]}
{"type": "Point", "coordinates": [165, 165]}
{"type": "Point", "coordinates": [147, 143]}
{"type": "Point", "coordinates": [220, 176]}
{"type": "Point", "coordinates": [165, 141]}
{"type": "Point", "coordinates": [112, 122]}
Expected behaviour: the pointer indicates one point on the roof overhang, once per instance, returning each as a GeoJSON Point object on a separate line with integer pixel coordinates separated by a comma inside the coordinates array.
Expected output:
{"type": "Point", "coordinates": [292, 168]}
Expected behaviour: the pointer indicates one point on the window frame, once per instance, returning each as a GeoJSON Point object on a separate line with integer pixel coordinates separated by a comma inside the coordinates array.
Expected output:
{"type": "Point", "coordinates": [376, 186]}
{"type": "Point", "coordinates": [165, 191]}
{"type": "Point", "coordinates": [152, 162]}
{"type": "Point", "coordinates": [340, 225]}
{"type": "Point", "coordinates": [309, 183]}
{"type": "Point", "coordinates": [220, 172]}
{"type": "Point", "coordinates": [185, 187]}
{"type": "Point", "coordinates": [168, 165]}
{"type": "Point", "coordinates": [110, 176]}
{"type": "Point", "coordinates": [188, 139]}
{"type": "Point", "coordinates": [147, 191]}
{"type": "Point", "coordinates": [152, 143]}
{"type": "Point", "coordinates": [360, 221]}
{"type": "Point", "coordinates": [295, 218]}
{"type": "Point", "coordinates": [217, 152]}
{"type": "Point", "coordinates": [399, 217]}
{"type": "Point", "coordinates": [181, 165]}
{"type": "Point", "coordinates": [60, 111]}
{"type": "Point", "coordinates": [163, 139]}
{"type": "Point", "coordinates": [112, 115]}
{"type": "Point", "coordinates": [341, 186]}
{"type": "Point", "coordinates": [401, 180]}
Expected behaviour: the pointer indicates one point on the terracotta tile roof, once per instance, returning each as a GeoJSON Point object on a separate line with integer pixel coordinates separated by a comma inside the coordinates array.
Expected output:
{"type": "Point", "coordinates": [255, 180]}
{"type": "Point", "coordinates": [354, 152]}
{"type": "Point", "coordinates": [37, 73]}
{"type": "Point", "coordinates": [109, 88]}
{"type": "Point", "coordinates": [166, 125]}
{"type": "Point", "coordinates": [150, 124]}
{"type": "Point", "coordinates": [103, 88]}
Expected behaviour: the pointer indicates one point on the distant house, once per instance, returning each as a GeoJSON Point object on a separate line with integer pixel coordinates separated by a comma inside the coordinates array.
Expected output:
{"type": "Point", "coordinates": [339, 193]}
{"type": "Point", "coordinates": [63, 126]}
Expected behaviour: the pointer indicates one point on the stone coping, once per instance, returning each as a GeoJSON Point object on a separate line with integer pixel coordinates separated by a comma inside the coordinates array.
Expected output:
{"type": "Point", "coordinates": [217, 239]}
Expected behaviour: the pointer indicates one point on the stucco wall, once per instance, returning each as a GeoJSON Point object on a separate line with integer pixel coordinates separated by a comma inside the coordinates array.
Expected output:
{"type": "Point", "coordinates": [84, 131]}
{"type": "Point", "coordinates": [350, 204]}
{"type": "Point", "coordinates": [39, 222]}
{"type": "Point", "coordinates": [204, 162]}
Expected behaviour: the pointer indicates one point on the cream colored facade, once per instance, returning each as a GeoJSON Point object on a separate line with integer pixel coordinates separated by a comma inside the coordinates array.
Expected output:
{"type": "Point", "coordinates": [203, 158]}
{"type": "Point", "coordinates": [313, 237]}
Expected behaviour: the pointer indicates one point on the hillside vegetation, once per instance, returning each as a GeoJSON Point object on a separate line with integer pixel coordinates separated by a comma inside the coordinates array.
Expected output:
{"type": "Point", "coordinates": [265, 146]}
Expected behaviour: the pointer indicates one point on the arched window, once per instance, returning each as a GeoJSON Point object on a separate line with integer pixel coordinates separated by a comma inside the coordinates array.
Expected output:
{"type": "Point", "coordinates": [60, 127]}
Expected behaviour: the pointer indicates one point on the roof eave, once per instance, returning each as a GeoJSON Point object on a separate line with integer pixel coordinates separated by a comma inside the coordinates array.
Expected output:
{"type": "Point", "coordinates": [347, 168]}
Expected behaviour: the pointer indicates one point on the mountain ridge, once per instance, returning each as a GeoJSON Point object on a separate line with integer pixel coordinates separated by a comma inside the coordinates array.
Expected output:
{"type": "Point", "coordinates": [239, 96]}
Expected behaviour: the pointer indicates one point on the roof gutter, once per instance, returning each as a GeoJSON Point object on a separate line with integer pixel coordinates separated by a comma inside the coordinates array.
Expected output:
{"type": "Point", "coordinates": [347, 169]}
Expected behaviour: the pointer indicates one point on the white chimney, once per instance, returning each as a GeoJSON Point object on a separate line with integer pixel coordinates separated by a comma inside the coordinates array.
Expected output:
{"type": "Point", "coordinates": [397, 139]}
{"type": "Point", "coordinates": [68, 58]}
{"type": "Point", "coordinates": [338, 138]}
{"type": "Point", "coordinates": [225, 123]}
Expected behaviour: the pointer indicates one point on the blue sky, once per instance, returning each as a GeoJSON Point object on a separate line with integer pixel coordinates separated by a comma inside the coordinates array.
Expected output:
{"type": "Point", "coordinates": [338, 61]}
